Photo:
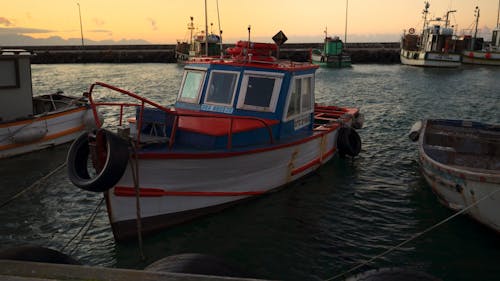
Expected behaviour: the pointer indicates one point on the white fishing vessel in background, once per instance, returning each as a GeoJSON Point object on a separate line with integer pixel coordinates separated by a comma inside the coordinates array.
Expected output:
{"type": "Point", "coordinates": [436, 46]}
{"type": "Point", "coordinates": [29, 123]}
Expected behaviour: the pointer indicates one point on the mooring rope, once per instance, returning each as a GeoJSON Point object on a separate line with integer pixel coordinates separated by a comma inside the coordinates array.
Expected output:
{"type": "Point", "coordinates": [88, 223]}
{"type": "Point", "coordinates": [134, 165]}
{"type": "Point", "coordinates": [33, 185]}
{"type": "Point", "coordinates": [415, 236]}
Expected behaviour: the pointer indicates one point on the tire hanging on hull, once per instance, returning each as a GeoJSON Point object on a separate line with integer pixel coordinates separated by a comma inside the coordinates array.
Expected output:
{"type": "Point", "coordinates": [109, 153]}
{"type": "Point", "coordinates": [348, 142]}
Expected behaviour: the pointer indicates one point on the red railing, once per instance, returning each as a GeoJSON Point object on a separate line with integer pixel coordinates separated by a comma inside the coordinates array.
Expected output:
{"type": "Point", "coordinates": [176, 114]}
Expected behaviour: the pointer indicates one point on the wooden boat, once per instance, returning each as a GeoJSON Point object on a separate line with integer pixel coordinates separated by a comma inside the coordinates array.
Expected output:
{"type": "Point", "coordinates": [332, 55]}
{"type": "Point", "coordinates": [477, 51]}
{"type": "Point", "coordinates": [436, 46]}
{"type": "Point", "coordinates": [241, 127]}
{"type": "Point", "coordinates": [29, 123]}
{"type": "Point", "coordinates": [461, 162]}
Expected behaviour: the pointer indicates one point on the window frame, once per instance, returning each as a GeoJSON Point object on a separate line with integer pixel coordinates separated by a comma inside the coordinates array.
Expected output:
{"type": "Point", "coordinates": [278, 81]}
{"type": "Point", "coordinates": [301, 113]}
{"type": "Point", "coordinates": [195, 100]}
{"type": "Point", "coordinates": [17, 83]}
{"type": "Point", "coordinates": [234, 90]}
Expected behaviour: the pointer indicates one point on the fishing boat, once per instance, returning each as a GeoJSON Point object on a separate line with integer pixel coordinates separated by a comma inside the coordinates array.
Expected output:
{"type": "Point", "coordinates": [436, 46]}
{"type": "Point", "coordinates": [29, 123]}
{"type": "Point", "coordinates": [332, 55]}
{"type": "Point", "coordinates": [461, 162]}
{"type": "Point", "coordinates": [479, 52]}
{"type": "Point", "coordinates": [198, 45]}
{"type": "Point", "coordinates": [242, 126]}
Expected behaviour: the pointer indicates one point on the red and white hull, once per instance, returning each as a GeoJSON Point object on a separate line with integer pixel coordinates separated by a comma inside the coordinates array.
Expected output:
{"type": "Point", "coordinates": [179, 187]}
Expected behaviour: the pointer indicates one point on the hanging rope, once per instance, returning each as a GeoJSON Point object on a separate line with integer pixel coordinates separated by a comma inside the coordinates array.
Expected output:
{"type": "Point", "coordinates": [87, 224]}
{"type": "Point", "coordinates": [134, 165]}
{"type": "Point", "coordinates": [33, 185]}
{"type": "Point", "coordinates": [413, 237]}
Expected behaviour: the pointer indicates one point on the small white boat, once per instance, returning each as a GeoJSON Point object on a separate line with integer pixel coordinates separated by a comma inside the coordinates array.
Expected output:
{"type": "Point", "coordinates": [29, 123]}
{"type": "Point", "coordinates": [461, 162]}
{"type": "Point", "coordinates": [436, 46]}
{"type": "Point", "coordinates": [242, 127]}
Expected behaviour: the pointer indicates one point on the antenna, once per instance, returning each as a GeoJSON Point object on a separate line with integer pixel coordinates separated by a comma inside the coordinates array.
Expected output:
{"type": "Point", "coordinates": [220, 30]}
{"type": "Point", "coordinates": [81, 28]}
{"type": "Point", "coordinates": [206, 30]}
{"type": "Point", "coordinates": [345, 32]}
{"type": "Point", "coordinates": [425, 12]}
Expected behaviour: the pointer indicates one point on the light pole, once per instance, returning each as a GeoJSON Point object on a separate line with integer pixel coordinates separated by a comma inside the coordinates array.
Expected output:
{"type": "Point", "coordinates": [345, 32]}
{"type": "Point", "coordinates": [81, 28]}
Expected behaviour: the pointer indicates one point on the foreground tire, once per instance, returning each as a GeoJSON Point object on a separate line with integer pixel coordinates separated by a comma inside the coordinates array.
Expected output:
{"type": "Point", "coordinates": [36, 254]}
{"type": "Point", "coordinates": [195, 264]}
{"type": "Point", "coordinates": [114, 152]}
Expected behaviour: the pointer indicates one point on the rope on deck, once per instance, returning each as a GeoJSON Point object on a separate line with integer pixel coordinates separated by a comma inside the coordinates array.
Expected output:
{"type": "Point", "coordinates": [415, 236]}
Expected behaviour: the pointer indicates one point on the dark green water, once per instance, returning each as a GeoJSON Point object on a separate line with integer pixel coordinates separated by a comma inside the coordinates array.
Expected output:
{"type": "Point", "coordinates": [344, 214]}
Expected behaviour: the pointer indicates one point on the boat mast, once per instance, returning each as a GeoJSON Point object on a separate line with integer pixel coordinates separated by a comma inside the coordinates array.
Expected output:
{"type": "Point", "coordinates": [206, 30]}
{"type": "Point", "coordinates": [425, 12]}
{"type": "Point", "coordinates": [447, 16]}
{"type": "Point", "coordinates": [220, 31]}
{"type": "Point", "coordinates": [345, 32]}
{"type": "Point", "coordinates": [191, 28]}
{"type": "Point", "coordinates": [498, 15]}
{"type": "Point", "coordinates": [476, 13]}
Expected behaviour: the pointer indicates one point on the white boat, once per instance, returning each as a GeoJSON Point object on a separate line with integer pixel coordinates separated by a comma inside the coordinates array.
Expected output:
{"type": "Point", "coordinates": [461, 162]}
{"type": "Point", "coordinates": [29, 123]}
{"type": "Point", "coordinates": [241, 127]}
{"type": "Point", "coordinates": [436, 46]}
{"type": "Point", "coordinates": [479, 52]}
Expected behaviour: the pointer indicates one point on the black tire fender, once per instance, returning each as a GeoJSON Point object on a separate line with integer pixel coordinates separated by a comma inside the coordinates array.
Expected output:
{"type": "Point", "coordinates": [116, 159]}
{"type": "Point", "coordinates": [348, 142]}
{"type": "Point", "coordinates": [36, 254]}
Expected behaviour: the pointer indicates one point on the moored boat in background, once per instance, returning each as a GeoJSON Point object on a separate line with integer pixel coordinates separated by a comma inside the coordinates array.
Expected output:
{"type": "Point", "coordinates": [332, 55]}
{"type": "Point", "coordinates": [241, 127]}
{"type": "Point", "coordinates": [461, 162]}
{"type": "Point", "coordinates": [29, 123]}
{"type": "Point", "coordinates": [436, 46]}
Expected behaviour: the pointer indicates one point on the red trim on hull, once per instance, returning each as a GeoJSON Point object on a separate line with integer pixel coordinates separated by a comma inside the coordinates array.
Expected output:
{"type": "Point", "coordinates": [158, 192]}
{"type": "Point", "coordinates": [314, 162]}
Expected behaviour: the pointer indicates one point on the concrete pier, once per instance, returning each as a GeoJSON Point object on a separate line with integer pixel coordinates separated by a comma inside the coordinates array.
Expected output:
{"type": "Point", "coordinates": [360, 53]}
{"type": "Point", "coordinates": [11, 270]}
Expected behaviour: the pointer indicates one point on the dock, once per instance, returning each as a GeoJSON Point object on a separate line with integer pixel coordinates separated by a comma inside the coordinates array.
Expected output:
{"type": "Point", "coordinates": [11, 270]}
{"type": "Point", "coordinates": [384, 53]}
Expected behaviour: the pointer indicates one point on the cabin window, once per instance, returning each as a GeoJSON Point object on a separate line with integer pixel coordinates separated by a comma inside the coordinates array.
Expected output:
{"type": "Point", "coordinates": [301, 98]}
{"type": "Point", "coordinates": [10, 74]}
{"type": "Point", "coordinates": [191, 86]}
{"type": "Point", "coordinates": [221, 87]}
{"type": "Point", "coordinates": [260, 91]}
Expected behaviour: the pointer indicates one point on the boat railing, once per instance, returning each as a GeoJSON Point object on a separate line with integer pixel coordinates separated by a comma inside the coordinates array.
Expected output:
{"type": "Point", "coordinates": [143, 102]}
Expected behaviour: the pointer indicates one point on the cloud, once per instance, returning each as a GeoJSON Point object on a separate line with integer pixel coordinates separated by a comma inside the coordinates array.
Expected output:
{"type": "Point", "coordinates": [153, 23]}
{"type": "Point", "coordinates": [22, 30]}
{"type": "Point", "coordinates": [5, 21]}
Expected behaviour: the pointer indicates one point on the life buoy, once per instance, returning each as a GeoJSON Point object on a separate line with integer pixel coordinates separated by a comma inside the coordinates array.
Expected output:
{"type": "Point", "coordinates": [36, 254]}
{"type": "Point", "coordinates": [112, 158]}
{"type": "Point", "coordinates": [348, 142]}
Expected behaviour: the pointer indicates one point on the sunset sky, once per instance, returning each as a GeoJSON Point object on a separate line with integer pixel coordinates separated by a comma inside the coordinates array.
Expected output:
{"type": "Point", "coordinates": [165, 21]}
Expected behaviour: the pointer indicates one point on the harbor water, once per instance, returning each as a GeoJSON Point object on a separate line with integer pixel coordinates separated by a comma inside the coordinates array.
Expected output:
{"type": "Point", "coordinates": [344, 214]}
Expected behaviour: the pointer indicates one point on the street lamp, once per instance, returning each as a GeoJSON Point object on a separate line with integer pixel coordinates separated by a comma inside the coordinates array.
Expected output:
{"type": "Point", "coordinates": [81, 28]}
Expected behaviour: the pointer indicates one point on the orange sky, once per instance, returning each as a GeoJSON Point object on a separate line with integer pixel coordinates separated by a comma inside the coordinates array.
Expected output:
{"type": "Point", "coordinates": [165, 21]}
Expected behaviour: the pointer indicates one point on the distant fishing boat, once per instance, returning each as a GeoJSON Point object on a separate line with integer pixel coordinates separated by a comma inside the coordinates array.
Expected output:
{"type": "Point", "coordinates": [195, 47]}
{"type": "Point", "coordinates": [29, 123]}
{"type": "Point", "coordinates": [332, 55]}
{"type": "Point", "coordinates": [461, 162]}
{"type": "Point", "coordinates": [477, 52]}
{"type": "Point", "coordinates": [436, 46]}
{"type": "Point", "coordinates": [241, 127]}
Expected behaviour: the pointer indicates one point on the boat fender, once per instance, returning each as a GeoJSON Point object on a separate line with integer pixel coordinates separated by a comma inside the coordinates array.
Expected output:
{"type": "Point", "coordinates": [358, 121]}
{"type": "Point", "coordinates": [195, 263]}
{"type": "Point", "coordinates": [415, 130]}
{"type": "Point", "coordinates": [116, 154]}
{"type": "Point", "coordinates": [36, 254]}
{"type": "Point", "coordinates": [29, 134]}
{"type": "Point", "coordinates": [392, 274]}
{"type": "Point", "coordinates": [348, 142]}
{"type": "Point", "coordinates": [89, 120]}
